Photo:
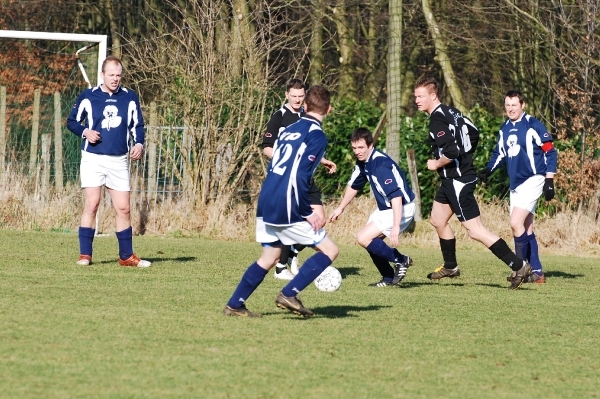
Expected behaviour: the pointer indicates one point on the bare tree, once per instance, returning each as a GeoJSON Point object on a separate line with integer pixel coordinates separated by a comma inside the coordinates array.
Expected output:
{"type": "Point", "coordinates": [443, 57]}
{"type": "Point", "coordinates": [394, 79]}
{"type": "Point", "coordinates": [202, 80]}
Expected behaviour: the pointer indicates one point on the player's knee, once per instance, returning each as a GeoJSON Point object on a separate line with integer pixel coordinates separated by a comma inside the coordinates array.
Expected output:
{"type": "Point", "coordinates": [435, 222]}
{"type": "Point", "coordinates": [362, 240]}
{"type": "Point", "coordinates": [473, 235]}
{"type": "Point", "coordinates": [123, 210]}
{"type": "Point", "coordinates": [515, 226]}
{"type": "Point", "coordinates": [332, 253]}
{"type": "Point", "coordinates": [91, 209]}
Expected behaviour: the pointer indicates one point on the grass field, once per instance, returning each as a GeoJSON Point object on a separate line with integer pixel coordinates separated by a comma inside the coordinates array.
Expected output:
{"type": "Point", "coordinates": [105, 331]}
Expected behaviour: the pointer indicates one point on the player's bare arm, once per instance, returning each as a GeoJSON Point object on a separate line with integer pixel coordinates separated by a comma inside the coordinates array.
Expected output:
{"type": "Point", "coordinates": [315, 221]}
{"type": "Point", "coordinates": [136, 151]}
{"type": "Point", "coordinates": [268, 151]}
{"type": "Point", "coordinates": [435, 164]}
{"type": "Point", "coordinates": [329, 165]}
{"type": "Point", "coordinates": [91, 136]}
{"type": "Point", "coordinates": [349, 195]}
{"type": "Point", "coordinates": [397, 209]}
{"type": "Point", "coordinates": [319, 210]}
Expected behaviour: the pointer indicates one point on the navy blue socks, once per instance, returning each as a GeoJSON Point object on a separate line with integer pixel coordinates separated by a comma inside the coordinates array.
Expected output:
{"type": "Point", "coordinates": [383, 265]}
{"type": "Point", "coordinates": [522, 246]}
{"type": "Point", "coordinates": [125, 238]}
{"type": "Point", "coordinates": [251, 279]}
{"type": "Point", "coordinates": [310, 270]}
{"type": "Point", "coordinates": [379, 247]}
{"type": "Point", "coordinates": [86, 239]}
{"type": "Point", "coordinates": [533, 255]}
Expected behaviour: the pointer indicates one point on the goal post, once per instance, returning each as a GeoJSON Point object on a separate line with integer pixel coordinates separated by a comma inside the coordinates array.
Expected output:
{"type": "Point", "coordinates": [41, 75]}
{"type": "Point", "coordinates": [71, 37]}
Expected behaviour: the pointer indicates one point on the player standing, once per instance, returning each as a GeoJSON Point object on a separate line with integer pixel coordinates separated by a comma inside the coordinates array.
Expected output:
{"type": "Point", "coordinates": [290, 113]}
{"type": "Point", "coordinates": [395, 212]}
{"type": "Point", "coordinates": [453, 138]}
{"type": "Point", "coordinates": [284, 214]}
{"type": "Point", "coordinates": [105, 117]}
{"type": "Point", "coordinates": [525, 148]}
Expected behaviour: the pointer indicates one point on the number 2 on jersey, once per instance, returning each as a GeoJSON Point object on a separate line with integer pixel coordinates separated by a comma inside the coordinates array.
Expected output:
{"type": "Point", "coordinates": [282, 154]}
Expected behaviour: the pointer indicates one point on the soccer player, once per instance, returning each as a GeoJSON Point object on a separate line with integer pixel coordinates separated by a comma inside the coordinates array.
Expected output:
{"type": "Point", "coordinates": [105, 117]}
{"type": "Point", "coordinates": [284, 214]}
{"type": "Point", "coordinates": [526, 150]}
{"type": "Point", "coordinates": [453, 137]}
{"type": "Point", "coordinates": [395, 206]}
{"type": "Point", "coordinates": [290, 113]}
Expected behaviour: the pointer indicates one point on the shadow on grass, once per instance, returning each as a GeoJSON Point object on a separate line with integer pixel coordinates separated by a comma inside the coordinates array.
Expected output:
{"type": "Point", "coordinates": [555, 274]}
{"type": "Point", "coordinates": [335, 312]}
{"type": "Point", "coordinates": [504, 287]}
{"type": "Point", "coordinates": [329, 312]}
{"type": "Point", "coordinates": [414, 284]}
{"type": "Point", "coordinates": [562, 275]}
{"type": "Point", "coordinates": [349, 271]}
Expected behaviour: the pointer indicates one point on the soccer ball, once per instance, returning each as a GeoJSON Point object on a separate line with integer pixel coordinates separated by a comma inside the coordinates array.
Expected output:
{"type": "Point", "coordinates": [330, 280]}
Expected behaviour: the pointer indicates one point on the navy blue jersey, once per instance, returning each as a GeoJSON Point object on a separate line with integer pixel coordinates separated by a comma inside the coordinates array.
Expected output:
{"type": "Point", "coordinates": [280, 119]}
{"type": "Point", "coordinates": [116, 116]}
{"type": "Point", "coordinates": [386, 178]}
{"type": "Point", "coordinates": [450, 135]}
{"type": "Point", "coordinates": [521, 149]}
{"type": "Point", "coordinates": [284, 196]}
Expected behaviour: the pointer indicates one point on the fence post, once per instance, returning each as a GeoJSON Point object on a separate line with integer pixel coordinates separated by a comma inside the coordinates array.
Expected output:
{"type": "Point", "coordinates": [46, 141]}
{"type": "Point", "coordinates": [33, 148]}
{"type": "Point", "coordinates": [3, 137]}
{"type": "Point", "coordinates": [58, 144]}
{"type": "Point", "coordinates": [151, 151]}
{"type": "Point", "coordinates": [414, 180]}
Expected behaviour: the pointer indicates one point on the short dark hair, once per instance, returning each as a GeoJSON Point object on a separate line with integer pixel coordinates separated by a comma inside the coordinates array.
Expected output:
{"type": "Point", "coordinates": [318, 99]}
{"type": "Point", "coordinates": [362, 133]}
{"type": "Point", "coordinates": [430, 84]}
{"type": "Point", "coordinates": [515, 93]}
{"type": "Point", "coordinates": [295, 84]}
{"type": "Point", "coordinates": [111, 58]}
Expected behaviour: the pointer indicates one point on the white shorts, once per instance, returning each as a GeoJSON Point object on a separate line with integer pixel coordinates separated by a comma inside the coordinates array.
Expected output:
{"type": "Point", "coordinates": [526, 195]}
{"type": "Point", "coordinates": [384, 220]}
{"type": "Point", "coordinates": [98, 170]}
{"type": "Point", "coordinates": [298, 233]}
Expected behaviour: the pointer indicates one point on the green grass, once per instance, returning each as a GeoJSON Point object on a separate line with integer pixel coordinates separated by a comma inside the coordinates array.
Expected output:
{"type": "Point", "coordinates": [105, 331]}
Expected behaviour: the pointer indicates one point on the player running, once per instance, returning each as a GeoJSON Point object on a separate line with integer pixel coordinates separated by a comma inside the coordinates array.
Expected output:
{"type": "Point", "coordinates": [395, 212]}
{"type": "Point", "coordinates": [289, 113]}
{"type": "Point", "coordinates": [284, 215]}
{"type": "Point", "coordinates": [453, 139]}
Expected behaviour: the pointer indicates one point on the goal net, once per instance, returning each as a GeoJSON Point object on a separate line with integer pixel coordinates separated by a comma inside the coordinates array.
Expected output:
{"type": "Point", "coordinates": [41, 75]}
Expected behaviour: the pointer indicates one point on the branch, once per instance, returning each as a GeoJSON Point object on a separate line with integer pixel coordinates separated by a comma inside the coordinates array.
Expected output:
{"type": "Point", "coordinates": [528, 16]}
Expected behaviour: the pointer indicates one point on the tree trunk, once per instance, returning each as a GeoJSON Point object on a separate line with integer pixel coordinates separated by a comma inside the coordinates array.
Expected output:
{"type": "Point", "coordinates": [441, 52]}
{"type": "Point", "coordinates": [347, 84]}
{"type": "Point", "coordinates": [113, 25]}
{"type": "Point", "coordinates": [394, 80]}
{"type": "Point", "coordinates": [373, 82]}
{"type": "Point", "coordinates": [409, 78]}
{"type": "Point", "coordinates": [315, 73]}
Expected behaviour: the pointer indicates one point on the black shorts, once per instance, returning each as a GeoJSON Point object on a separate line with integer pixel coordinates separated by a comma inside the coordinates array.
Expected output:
{"type": "Point", "coordinates": [459, 194]}
{"type": "Point", "coordinates": [314, 193]}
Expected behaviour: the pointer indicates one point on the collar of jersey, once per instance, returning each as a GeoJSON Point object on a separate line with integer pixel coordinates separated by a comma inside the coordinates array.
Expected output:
{"type": "Point", "coordinates": [300, 112]}
{"type": "Point", "coordinates": [508, 120]}
{"type": "Point", "coordinates": [436, 107]}
{"type": "Point", "coordinates": [312, 118]}
{"type": "Point", "coordinates": [119, 88]}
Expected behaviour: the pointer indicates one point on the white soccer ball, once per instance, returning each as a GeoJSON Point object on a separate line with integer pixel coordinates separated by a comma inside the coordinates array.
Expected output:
{"type": "Point", "coordinates": [330, 280]}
